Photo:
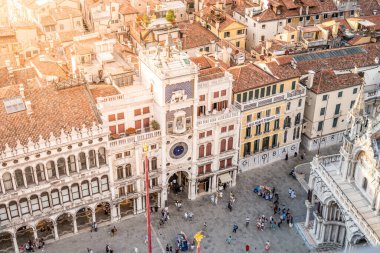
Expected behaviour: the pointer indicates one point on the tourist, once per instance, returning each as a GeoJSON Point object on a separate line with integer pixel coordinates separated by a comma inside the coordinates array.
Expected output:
{"type": "Point", "coordinates": [247, 248]}
{"type": "Point", "coordinates": [229, 206]}
{"type": "Point", "coordinates": [286, 157]}
{"type": "Point", "coordinates": [167, 248]}
{"type": "Point", "coordinates": [113, 231]}
{"type": "Point", "coordinates": [290, 191]}
{"type": "Point", "coordinates": [267, 246]}
{"type": "Point", "coordinates": [293, 194]}
{"type": "Point", "coordinates": [247, 221]}
{"type": "Point", "coordinates": [229, 239]}
{"type": "Point", "coordinates": [235, 228]}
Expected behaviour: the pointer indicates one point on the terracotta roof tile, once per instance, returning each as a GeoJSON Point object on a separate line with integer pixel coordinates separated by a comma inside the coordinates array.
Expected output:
{"type": "Point", "coordinates": [126, 9]}
{"type": "Point", "coordinates": [102, 90]}
{"type": "Point", "coordinates": [53, 110]}
{"type": "Point", "coordinates": [249, 76]}
{"type": "Point", "coordinates": [368, 6]}
{"type": "Point", "coordinates": [326, 81]}
{"type": "Point", "coordinates": [47, 21]}
{"type": "Point", "coordinates": [194, 35]}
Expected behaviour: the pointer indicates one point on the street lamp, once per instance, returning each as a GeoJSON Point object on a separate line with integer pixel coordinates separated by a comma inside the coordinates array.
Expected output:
{"type": "Point", "coordinates": [147, 200]}
{"type": "Point", "coordinates": [198, 237]}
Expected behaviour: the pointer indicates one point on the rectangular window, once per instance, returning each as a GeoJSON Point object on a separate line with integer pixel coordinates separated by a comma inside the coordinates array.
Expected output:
{"type": "Point", "coordinates": [112, 129]}
{"type": "Point", "coordinates": [237, 43]}
{"type": "Point", "coordinates": [216, 94]}
{"type": "Point", "coordinates": [352, 103]}
{"type": "Point", "coordinates": [137, 112]}
{"type": "Point", "coordinates": [95, 186]}
{"type": "Point", "coordinates": [316, 17]}
{"type": "Point", "coordinates": [24, 207]}
{"type": "Point", "coordinates": [245, 97]}
{"type": "Point", "coordinates": [320, 126]}
{"type": "Point", "coordinates": [201, 135]}
{"type": "Point", "coordinates": [137, 124]}
{"type": "Point", "coordinates": [266, 127]}
{"type": "Point", "coordinates": [355, 90]}
{"type": "Point", "coordinates": [293, 85]}
{"type": "Point", "coordinates": [146, 122]}
{"type": "Point", "coordinates": [226, 34]}
{"type": "Point", "coordinates": [248, 132]}
{"type": "Point", "coordinates": [267, 113]}
{"type": "Point", "coordinates": [3, 213]}
{"type": "Point", "coordinates": [120, 115]}
{"type": "Point", "coordinates": [14, 210]}
{"type": "Point", "coordinates": [105, 184]}
{"type": "Point", "coordinates": [121, 128]}
{"type": "Point", "coordinates": [111, 117]}
{"type": "Point", "coordinates": [257, 93]}
{"type": "Point", "coordinates": [268, 90]}
{"type": "Point", "coordinates": [250, 95]}
{"type": "Point", "coordinates": [202, 97]}
{"type": "Point", "coordinates": [249, 118]}
{"type": "Point", "coordinates": [130, 188]}
{"type": "Point", "coordinates": [276, 124]}
{"type": "Point", "coordinates": [258, 115]}
{"type": "Point", "coordinates": [146, 110]}
{"type": "Point", "coordinates": [278, 110]}
{"type": "Point", "coordinates": [238, 97]}
{"type": "Point", "coordinates": [127, 153]}
{"type": "Point", "coordinates": [274, 89]}
{"type": "Point", "coordinates": [34, 203]}
{"type": "Point", "coordinates": [262, 26]}
{"type": "Point", "coordinates": [322, 112]}
{"type": "Point", "coordinates": [122, 191]}
{"type": "Point", "coordinates": [262, 92]}
{"type": "Point", "coordinates": [223, 129]}
{"type": "Point", "coordinates": [335, 122]}
{"type": "Point", "coordinates": [256, 146]}
{"type": "Point", "coordinates": [231, 128]}
{"type": "Point", "coordinates": [324, 98]}
{"type": "Point", "coordinates": [223, 93]}
{"type": "Point", "coordinates": [209, 133]}
{"type": "Point", "coordinates": [258, 129]}
{"type": "Point", "coordinates": [281, 88]}
{"type": "Point", "coordinates": [200, 170]}
{"type": "Point", "coordinates": [337, 109]}
{"type": "Point", "coordinates": [340, 94]}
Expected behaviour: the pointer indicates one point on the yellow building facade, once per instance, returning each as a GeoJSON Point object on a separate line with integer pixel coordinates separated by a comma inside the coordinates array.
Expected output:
{"type": "Point", "coordinates": [271, 111]}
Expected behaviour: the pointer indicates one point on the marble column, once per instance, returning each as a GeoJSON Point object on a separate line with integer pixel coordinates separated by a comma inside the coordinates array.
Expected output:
{"type": "Point", "coordinates": [75, 224]}
{"type": "Point", "coordinates": [2, 185]}
{"type": "Point", "coordinates": [35, 233]}
{"type": "Point", "coordinates": [93, 215]}
{"type": "Point", "coordinates": [56, 236]}
{"type": "Point", "coordinates": [308, 209]}
{"type": "Point", "coordinates": [15, 244]}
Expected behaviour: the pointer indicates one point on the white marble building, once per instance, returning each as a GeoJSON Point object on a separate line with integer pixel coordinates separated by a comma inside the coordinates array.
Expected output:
{"type": "Point", "coordinates": [344, 188]}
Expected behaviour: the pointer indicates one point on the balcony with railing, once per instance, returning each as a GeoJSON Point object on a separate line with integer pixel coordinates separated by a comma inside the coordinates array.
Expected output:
{"type": "Point", "coordinates": [313, 43]}
{"type": "Point", "coordinates": [124, 139]}
{"type": "Point", "coordinates": [256, 103]}
{"type": "Point", "coordinates": [364, 217]}
{"type": "Point", "coordinates": [219, 116]}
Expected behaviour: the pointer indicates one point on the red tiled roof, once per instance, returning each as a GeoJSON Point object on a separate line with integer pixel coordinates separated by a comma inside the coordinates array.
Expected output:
{"type": "Point", "coordinates": [249, 76]}
{"type": "Point", "coordinates": [102, 90]}
{"type": "Point", "coordinates": [326, 81]}
{"type": "Point", "coordinates": [53, 110]}
{"type": "Point", "coordinates": [126, 9]}
{"type": "Point", "coordinates": [194, 35]}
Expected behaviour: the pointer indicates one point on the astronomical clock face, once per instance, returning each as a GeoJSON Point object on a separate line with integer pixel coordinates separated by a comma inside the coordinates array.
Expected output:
{"type": "Point", "coordinates": [178, 150]}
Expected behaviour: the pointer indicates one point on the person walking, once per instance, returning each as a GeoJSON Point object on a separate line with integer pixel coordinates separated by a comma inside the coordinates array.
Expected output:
{"type": "Point", "coordinates": [204, 226]}
{"type": "Point", "coordinates": [235, 228]}
{"type": "Point", "coordinates": [113, 231]}
{"type": "Point", "coordinates": [229, 206]}
{"type": "Point", "coordinates": [247, 220]}
{"type": "Point", "coordinates": [167, 248]}
{"type": "Point", "coordinates": [229, 239]}
{"type": "Point", "coordinates": [247, 248]}
{"type": "Point", "coordinates": [267, 246]}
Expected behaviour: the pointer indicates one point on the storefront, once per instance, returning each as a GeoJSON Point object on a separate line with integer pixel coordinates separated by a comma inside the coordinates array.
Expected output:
{"type": "Point", "coordinates": [203, 185]}
{"type": "Point", "coordinates": [224, 181]}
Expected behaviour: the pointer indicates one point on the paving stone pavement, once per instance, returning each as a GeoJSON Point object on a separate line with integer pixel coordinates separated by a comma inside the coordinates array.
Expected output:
{"type": "Point", "coordinates": [131, 232]}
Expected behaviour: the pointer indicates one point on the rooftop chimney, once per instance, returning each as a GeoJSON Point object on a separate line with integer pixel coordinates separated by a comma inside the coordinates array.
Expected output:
{"type": "Point", "coordinates": [310, 79]}
{"type": "Point", "coordinates": [21, 88]}
{"type": "Point", "coordinates": [28, 105]}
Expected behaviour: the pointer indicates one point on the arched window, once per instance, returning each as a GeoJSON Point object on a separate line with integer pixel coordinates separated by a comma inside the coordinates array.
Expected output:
{"type": "Point", "coordinates": [223, 145]}
{"type": "Point", "coordinates": [128, 170]}
{"type": "Point", "coordinates": [75, 191]}
{"type": "Point", "coordinates": [45, 200]}
{"type": "Point", "coordinates": [50, 167]}
{"type": "Point", "coordinates": [40, 172]}
{"type": "Point", "coordinates": [288, 106]}
{"type": "Point", "coordinates": [82, 161]}
{"type": "Point", "coordinates": [298, 119]}
{"type": "Point", "coordinates": [13, 209]}
{"type": "Point", "coordinates": [105, 186]}
{"type": "Point", "coordinates": [154, 163]}
{"type": "Point", "coordinates": [7, 180]}
{"type": "Point", "coordinates": [3, 213]}
{"type": "Point", "coordinates": [92, 158]}
{"type": "Point", "coordinates": [19, 179]}
{"type": "Point", "coordinates": [65, 194]}
{"type": "Point", "coordinates": [29, 175]}
{"type": "Point", "coordinates": [72, 163]}
{"type": "Point", "coordinates": [230, 143]}
{"type": "Point", "coordinates": [95, 186]}
{"type": "Point", "coordinates": [120, 173]}
{"type": "Point", "coordinates": [61, 167]}
{"type": "Point", "coordinates": [24, 207]}
{"type": "Point", "coordinates": [201, 151]}
{"type": "Point", "coordinates": [208, 149]}
{"type": "Point", "coordinates": [298, 132]}
{"type": "Point", "coordinates": [287, 122]}
{"type": "Point", "coordinates": [55, 198]}
{"type": "Point", "coordinates": [299, 102]}
{"type": "Point", "coordinates": [35, 204]}
{"type": "Point", "coordinates": [102, 156]}
{"type": "Point", "coordinates": [294, 133]}
{"type": "Point", "coordinates": [364, 184]}
{"type": "Point", "coordinates": [85, 189]}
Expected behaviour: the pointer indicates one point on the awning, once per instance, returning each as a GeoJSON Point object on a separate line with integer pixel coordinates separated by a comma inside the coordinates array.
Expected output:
{"type": "Point", "coordinates": [225, 178]}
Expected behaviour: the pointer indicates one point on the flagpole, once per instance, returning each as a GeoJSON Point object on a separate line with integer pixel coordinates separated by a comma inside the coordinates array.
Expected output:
{"type": "Point", "coordinates": [147, 199]}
